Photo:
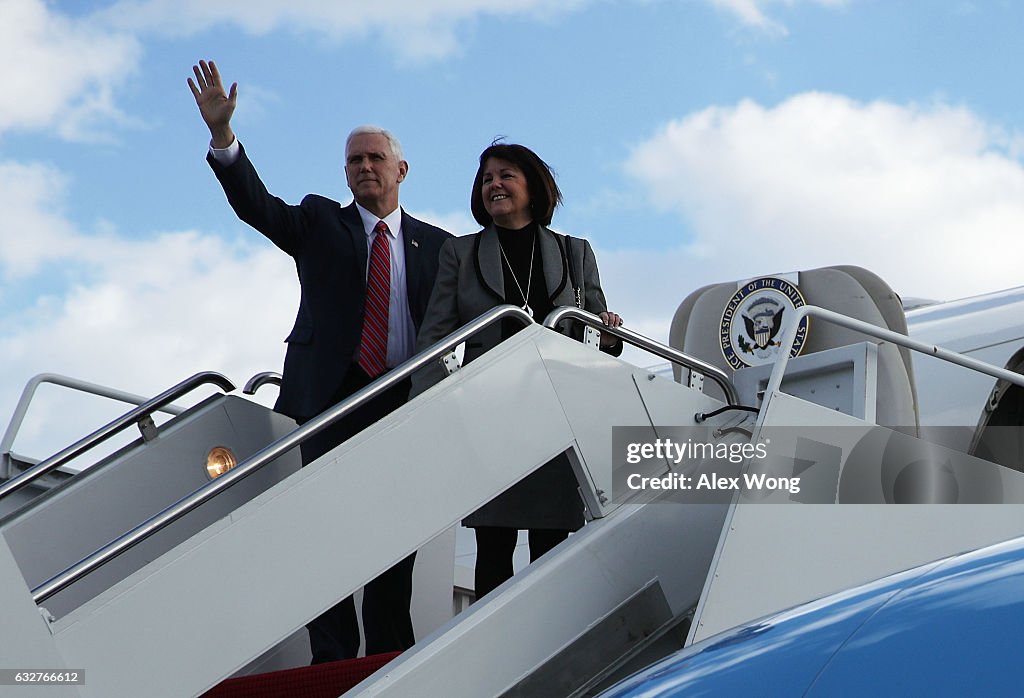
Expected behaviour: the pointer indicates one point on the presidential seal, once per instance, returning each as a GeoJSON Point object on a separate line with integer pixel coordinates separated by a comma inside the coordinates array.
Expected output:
{"type": "Point", "coordinates": [754, 318]}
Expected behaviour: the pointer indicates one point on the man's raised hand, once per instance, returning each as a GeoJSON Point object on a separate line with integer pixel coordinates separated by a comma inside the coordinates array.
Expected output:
{"type": "Point", "coordinates": [215, 105]}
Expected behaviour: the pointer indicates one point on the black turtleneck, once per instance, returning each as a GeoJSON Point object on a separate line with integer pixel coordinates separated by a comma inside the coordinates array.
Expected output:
{"type": "Point", "coordinates": [518, 246]}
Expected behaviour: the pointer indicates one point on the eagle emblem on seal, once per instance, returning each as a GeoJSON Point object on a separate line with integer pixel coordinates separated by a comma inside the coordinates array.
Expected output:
{"type": "Point", "coordinates": [753, 320]}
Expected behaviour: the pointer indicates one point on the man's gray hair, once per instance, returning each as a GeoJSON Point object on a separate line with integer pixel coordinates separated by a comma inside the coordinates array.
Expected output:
{"type": "Point", "coordinates": [396, 147]}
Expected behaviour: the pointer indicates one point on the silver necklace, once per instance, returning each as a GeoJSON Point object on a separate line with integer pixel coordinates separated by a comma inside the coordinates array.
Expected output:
{"type": "Point", "coordinates": [529, 277]}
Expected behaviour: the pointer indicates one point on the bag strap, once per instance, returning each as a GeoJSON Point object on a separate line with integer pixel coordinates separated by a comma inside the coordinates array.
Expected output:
{"type": "Point", "coordinates": [572, 272]}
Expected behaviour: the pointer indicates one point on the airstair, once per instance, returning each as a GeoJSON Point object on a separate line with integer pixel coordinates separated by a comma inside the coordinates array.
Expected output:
{"type": "Point", "coordinates": [201, 579]}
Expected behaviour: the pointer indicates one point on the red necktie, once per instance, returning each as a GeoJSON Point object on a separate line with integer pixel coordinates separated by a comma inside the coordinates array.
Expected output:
{"type": "Point", "coordinates": [373, 350]}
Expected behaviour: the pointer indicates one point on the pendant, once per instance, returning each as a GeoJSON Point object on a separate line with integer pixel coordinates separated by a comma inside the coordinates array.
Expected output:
{"type": "Point", "coordinates": [528, 309]}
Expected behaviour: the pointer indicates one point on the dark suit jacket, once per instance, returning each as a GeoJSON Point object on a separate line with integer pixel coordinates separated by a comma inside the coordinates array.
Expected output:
{"type": "Point", "coordinates": [471, 281]}
{"type": "Point", "coordinates": [328, 244]}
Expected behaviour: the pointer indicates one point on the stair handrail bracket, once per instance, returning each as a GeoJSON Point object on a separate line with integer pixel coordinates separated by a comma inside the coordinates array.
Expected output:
{"type": "Point", "coordinates": [126, 420]}
{"type": "Point", "coordinates": [720, 377]}
{"type": "Point", "coordinates": [808, 311]}
{"type": "Point", "coordinates": [274, 450]}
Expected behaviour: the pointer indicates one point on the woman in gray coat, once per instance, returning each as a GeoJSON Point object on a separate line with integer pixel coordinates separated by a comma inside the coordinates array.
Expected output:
{"type": "Point", "coordinates": [515, 259]}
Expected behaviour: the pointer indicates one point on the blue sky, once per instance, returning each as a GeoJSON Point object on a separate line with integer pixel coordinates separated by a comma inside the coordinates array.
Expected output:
{"type": "Point", "coordinates": [696, 141]}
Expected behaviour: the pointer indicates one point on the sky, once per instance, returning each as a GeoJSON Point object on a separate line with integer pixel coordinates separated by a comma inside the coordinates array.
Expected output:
{"type": "Point", "coordinates": [695, 142]}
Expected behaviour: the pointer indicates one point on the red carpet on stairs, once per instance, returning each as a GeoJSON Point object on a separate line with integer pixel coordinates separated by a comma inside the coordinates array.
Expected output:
{"type": "Point", "coordinates": [319, 681]}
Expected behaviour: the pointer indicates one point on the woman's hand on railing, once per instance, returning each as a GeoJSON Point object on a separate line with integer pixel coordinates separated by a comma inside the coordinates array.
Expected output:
{"type": "Point", "coordinates": [611, 320]}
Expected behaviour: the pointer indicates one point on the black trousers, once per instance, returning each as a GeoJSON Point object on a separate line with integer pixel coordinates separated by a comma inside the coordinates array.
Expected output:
{"type": "Point", "coordinates": [495, 546]}
{"type": "Point", "coordinates": [387, 623]}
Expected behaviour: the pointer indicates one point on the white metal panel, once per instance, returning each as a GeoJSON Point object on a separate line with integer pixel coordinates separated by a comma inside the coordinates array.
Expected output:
{"type": "Point", "coordinates": [578, 376]}
{"type": "Point", "coordinates": [68, 524]}
{"type": "Point", "coordinates": [969, 324]}
{"type": "Point", "coordinates": [253, 578]}
{"type": "Point", "coordinates": [533, 616]}
{"type": "Point", "coordinates": [777, 556]}
{"type": "Point", "coordinates": [989, 328]}
{"type": "Point", "coordinates": [430, 608]}
{"type": "Point", "coordinates": [541, 611]}
{"type": "Point", "coordinates": [27, 643]}
{"type": "Point", "coordinates": [843, 379]}
{"type": "Point", "coordinates": [598, 392]}
{"type": "Point", "coordinates": [773, 556]}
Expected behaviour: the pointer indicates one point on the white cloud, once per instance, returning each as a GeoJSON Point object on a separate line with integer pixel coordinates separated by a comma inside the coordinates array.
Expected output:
{"type": "Point", "coordinates": [456, 223]}
{"type": "Point", "coordinates": [164, 308]}
{"type": "Point", "coordinates": [66, 69]}
{"type": "Point", "coordinates": [69, 67]}
{"type": "Point", "coordinates": [754, 13]}
{"type": "Point", "coordinates": [61, 71]}
{"type": "Point", "coordinates": [32, 228]}
{"type": "Point", "coordinates": [930, 198]}
{"type": "Point", "coordinates": [139, 315]}
{"type": "Point", "coordinates": [160, 311]}
{"type": "Point", "coordinates": [419, 29]}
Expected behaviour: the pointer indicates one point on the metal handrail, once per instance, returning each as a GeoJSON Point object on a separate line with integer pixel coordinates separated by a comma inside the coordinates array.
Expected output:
{"type": "Point", "coordinates": [67, 382]}
{"type": "Point", "coordinates": [789, 338]}
{"type": "Point", "coordinates": [272, 451]}
{"type": "Point", "coordinates": [260, 380]}
{"type": "Point", "coordinates": [105, 432]}
{"type": "Point", "coordinates": [646, 343]}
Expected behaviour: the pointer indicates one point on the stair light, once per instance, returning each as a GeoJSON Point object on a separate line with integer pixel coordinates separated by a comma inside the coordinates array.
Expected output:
{"type": "Point", "coordinates": [219, 460]}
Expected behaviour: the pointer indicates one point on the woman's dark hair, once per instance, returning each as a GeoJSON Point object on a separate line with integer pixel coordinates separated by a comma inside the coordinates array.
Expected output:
{"type": "Point", "coordinates": [540, 182]}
